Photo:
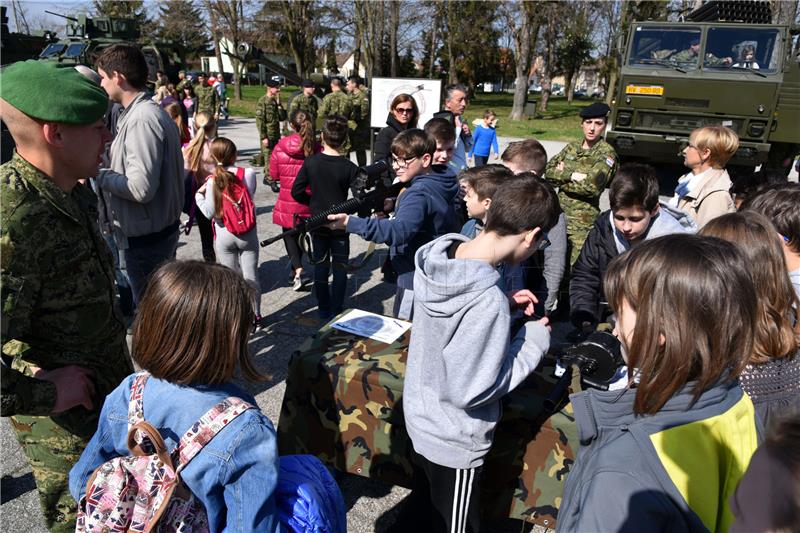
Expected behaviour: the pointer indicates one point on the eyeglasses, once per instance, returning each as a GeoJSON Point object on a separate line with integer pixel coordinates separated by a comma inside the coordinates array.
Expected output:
{"type": "Point", "coordinates": [402, 162]}
{"type": "Point", "coordinates": [544, 242]}
{"type": "Point", "coordinates": [404, 110]}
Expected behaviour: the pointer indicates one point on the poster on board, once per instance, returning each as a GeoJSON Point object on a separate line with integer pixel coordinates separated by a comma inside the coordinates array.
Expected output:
{"type": "Point", "coordinates": [427, 94]}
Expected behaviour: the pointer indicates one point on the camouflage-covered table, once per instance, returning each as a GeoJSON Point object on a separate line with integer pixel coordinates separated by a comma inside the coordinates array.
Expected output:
{"type": "Point", "coordinates": [343, 404]}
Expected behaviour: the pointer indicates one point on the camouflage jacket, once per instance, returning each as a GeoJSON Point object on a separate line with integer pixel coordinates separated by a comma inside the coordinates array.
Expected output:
{"type": "Point", "coordinates": [181, 84]}
{"type": "Point", "coordinates": [207, 99]}
{"type": "Point", "coordinates": [309, 104]}
{"type": "Point", "coordinates": [57, 292]}
{"type": "Point", "coordinates": [269, 114]}
{"type": "Point", "coordinates": [586, 173]}
{"type": "Point", "coordinates": [360, 115]}
{"type": "Point", "coordinates": [336, 103]}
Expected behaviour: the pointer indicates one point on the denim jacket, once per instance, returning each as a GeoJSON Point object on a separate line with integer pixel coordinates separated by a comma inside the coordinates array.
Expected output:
{"type": "Point", "coordinates": [234, 475]}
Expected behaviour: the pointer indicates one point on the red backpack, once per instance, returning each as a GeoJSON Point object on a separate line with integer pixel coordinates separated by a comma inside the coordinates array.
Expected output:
{"type": "Point", "coordinates": [238, 211]}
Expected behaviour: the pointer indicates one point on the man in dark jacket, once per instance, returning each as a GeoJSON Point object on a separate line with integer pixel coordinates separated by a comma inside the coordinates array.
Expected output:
{"type": "Point", "coordinates": [635, 215]}
{"type": "Point", "coordinates": [425, 211]}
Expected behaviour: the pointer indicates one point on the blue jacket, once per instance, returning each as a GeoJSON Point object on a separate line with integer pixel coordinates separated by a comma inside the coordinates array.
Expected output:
{"type": "Point", "coordinates": [425, 211]}
{"type": "Point", "coordinates": [483, 140]}
{"type": "Point", "coordinates": [234, 475]}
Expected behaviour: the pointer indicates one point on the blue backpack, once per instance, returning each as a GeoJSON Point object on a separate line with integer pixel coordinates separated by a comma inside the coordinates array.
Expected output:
{"type": "Point", "coordinates": [308, 498]}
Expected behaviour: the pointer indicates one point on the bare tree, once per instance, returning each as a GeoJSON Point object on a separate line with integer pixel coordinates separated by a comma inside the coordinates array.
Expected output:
{"type": "Point", "coordinates": [394, 24]}
{"type": "Point", "coordinates": [369, 18]}
{"type": "Point", "coordinates": [230, 22]}
{"type": "Point", "coordinates": [297, 25]}
{"type": "Point", "coordinates": [524, 24]}
{"type": "Point", "coordinates": [551, 12]}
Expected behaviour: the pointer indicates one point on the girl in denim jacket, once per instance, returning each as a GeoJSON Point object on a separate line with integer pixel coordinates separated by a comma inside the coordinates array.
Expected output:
{"type": "Point", "coordinates": [191, 332]}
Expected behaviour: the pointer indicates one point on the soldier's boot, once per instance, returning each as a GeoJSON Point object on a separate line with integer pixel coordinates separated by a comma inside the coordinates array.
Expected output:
{"type": "Point", "coordinates": [52, 451]}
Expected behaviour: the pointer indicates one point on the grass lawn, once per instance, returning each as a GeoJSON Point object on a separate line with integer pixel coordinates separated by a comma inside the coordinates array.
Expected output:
{"type": "Point", "coordinates": [559, 123]}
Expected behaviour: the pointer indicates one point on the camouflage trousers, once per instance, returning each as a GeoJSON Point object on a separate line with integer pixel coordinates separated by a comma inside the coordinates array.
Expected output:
{"type": "Point", "coordinates": [580, 220]}
{"type": "Point", "coordinates": [52, 452]}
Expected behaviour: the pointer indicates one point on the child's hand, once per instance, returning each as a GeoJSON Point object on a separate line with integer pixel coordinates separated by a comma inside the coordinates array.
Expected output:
{"type": "Point", "coordinates": [545, 321]}
{"type": "Point", "coordinates": [523, 299]}
{"type": "Point", "coordinates": [338, 221]}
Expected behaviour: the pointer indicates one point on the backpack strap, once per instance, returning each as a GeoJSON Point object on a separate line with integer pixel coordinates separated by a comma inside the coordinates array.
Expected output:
{"type": "Point", "coordinates": [205, 429]}
{"type": "Point", "coordinates": [135, 409]}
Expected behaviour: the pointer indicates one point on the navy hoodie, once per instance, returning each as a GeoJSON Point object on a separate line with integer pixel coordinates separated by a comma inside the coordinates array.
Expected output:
{"type": "Point", "coordinates": [425, 211]}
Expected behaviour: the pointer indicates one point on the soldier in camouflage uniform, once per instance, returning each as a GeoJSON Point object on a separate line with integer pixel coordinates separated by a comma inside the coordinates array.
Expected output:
{"type": "Point", "coordinates": [63, 338]}
{"type": "Point", "coordinates": [581, 171]}
{"type": "Point", "coordinates": [183, 81]}
{"type": "Point", "coordinates": [690, 55]}
{"type": "Point", "coordinates": [207, 98]}
{"type": "Point", "coordinates": [269, 114]}
{"type": "Point", "coordinates": [306, 101]}
{"type": "Point", "coordinates": [359, 119]}
{"type": "Point", "coordinates": [337, 102]}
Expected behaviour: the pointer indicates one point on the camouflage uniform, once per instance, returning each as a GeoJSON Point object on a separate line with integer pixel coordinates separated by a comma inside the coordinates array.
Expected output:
{"type": "Point", "coordinates": [343, 404]}
{"type": "Point", "coordinates": [207, 99]}
{"type": "Point", "coordinates": [58, 309]}
{"type": "Point", "coordinates": [338, 103]}
{"type": "Point", "coordinates": [269, 114]}
{"type": "Point", "coordinates": [585, 175]}
{"type": "Point", "coordinates": [185, 82]}
{"type": "Point", "coordinates": [359, 125]}
{"type": "Point", "coordinates": [309, 104]}
{"type": "Point", "coordinates": [687, 57]}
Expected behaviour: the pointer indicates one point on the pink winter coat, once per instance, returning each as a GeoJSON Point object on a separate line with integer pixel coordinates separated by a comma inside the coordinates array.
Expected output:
{"type": "Point", "coordinates": [284, 164]}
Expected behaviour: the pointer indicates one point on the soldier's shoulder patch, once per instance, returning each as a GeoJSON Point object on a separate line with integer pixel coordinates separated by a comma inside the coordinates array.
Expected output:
{"type": "Point", "coordinates": [610, 162]}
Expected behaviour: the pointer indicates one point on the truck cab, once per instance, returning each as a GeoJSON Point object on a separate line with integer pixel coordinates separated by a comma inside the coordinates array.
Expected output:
{"type": "Point", "coordinates": [676, 77]}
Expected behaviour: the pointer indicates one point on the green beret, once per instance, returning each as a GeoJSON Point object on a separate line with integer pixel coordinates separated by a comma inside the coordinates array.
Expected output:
{"type": "Point", "coordinates": [48, 91]}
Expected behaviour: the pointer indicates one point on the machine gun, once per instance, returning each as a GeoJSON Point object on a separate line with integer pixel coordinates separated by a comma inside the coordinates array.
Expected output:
{"type": "Point", "coordinates": [369, 178]}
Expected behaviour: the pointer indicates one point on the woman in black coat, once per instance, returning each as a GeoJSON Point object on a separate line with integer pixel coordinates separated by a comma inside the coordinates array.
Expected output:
{"type": "Point", "coordinates": [403, 115]}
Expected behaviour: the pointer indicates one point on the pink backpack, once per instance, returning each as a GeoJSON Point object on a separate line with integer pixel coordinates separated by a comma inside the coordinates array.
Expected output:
{"type": "Point", "coordinates": [238, 211]}
{"type": "Point", "coordinates": [143, 492]}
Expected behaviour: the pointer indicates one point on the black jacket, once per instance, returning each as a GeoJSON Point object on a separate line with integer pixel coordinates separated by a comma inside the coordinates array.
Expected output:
{"type": "Point", "coordinates": [385, 137]}
{"type": "Point", "coordinates": [586, 285]}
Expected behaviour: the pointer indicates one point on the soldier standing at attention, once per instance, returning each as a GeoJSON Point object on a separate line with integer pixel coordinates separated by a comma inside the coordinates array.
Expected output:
{"type": "Point", "coordinates": [306, 101]}
{"type": "Point", "coordinates": [207, 98]}
{"type": "Point", "coordinates": [269, 114]}
{"type": "Point", "coordinates": [581, 171]}
{"type": "Point", "coordinates": [63, 338]}
{"type": "Point", "coordinates": [338, 103]}
{"type": "Point", "coordinates": [359, 119]}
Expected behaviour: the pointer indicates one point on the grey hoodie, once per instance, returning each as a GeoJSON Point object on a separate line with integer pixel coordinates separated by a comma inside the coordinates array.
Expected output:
{"type": "Point", "coordinates": [460, 363]}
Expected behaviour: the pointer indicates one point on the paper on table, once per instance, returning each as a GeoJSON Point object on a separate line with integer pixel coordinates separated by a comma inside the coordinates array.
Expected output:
{"type": "Point", "coordinates": [378, 327]}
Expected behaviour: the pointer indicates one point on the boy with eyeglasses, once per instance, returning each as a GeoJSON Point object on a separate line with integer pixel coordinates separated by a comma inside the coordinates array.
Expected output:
{"type": "Point", "coordinates": [424, 210]}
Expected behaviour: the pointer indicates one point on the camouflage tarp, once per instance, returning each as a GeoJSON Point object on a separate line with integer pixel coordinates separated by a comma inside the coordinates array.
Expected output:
{"type": "Point", "coordinates": [342, 404]}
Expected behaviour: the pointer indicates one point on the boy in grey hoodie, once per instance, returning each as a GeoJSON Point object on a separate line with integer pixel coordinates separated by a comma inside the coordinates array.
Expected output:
{"type": "Point", "coordinates": [460, 361]}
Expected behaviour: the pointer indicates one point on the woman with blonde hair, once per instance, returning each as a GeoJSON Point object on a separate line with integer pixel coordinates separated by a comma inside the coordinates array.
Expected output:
{"type": "Point", "coordinates": [198, 163]}
{"type": "Point", "coordinates": [237, 248]}
{"type": "Point", "coordinates": [772, 376]}
{"type": "Point", "coordinates": [174, 111]}
{"type": "Point", "coordinates": [703, 192]}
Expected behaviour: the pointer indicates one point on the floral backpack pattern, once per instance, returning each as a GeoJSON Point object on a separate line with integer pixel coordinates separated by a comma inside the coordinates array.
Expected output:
{"type": "Point", "coordinates": [143, 492]}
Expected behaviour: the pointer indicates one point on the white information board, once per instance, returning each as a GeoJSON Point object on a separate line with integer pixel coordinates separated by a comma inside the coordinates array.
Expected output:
{"type": "Point", "coordinates": [427, 94]}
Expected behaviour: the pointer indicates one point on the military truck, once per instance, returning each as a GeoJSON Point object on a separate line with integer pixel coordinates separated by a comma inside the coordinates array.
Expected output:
{"type": "Point", "coordinates": [678, 76]}
{"type": "Point", "coordinates": [86, 37]}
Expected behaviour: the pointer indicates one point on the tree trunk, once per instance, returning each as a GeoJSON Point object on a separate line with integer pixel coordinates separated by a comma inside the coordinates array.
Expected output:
{"type": "Point", "coordinates": [212, 17]}
{"type": "Point", "coordinates": [568, 77]}
{"type": "Point", "coordinates": [452, 77]}
{"type": "Point", "coordinates": [522, 46]}
{"type": "Point", "coordinates": [433, 43]}
{"type": "Point", "coordinates": [551, 34]}
{"type": "Point", "coordinates": [394, 24]}
{"type": "Point", "coordinates": [292, 13]}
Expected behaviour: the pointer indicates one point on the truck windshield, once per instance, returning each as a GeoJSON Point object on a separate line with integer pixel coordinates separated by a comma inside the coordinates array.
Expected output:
{"type": "Point", "coordinates": [52, 49]}
{"type": "Point", "coordinates": [738, 49]}
{"type": "Point", "coordinates": [75, 50]}
{"type": "Point", "coordinates": [665, 46]}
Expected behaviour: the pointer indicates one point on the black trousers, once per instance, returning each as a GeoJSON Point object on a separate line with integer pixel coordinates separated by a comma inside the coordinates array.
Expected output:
{"type": "Point", "coordinates": [293, 249]}
{"type": "Point", "coordinates": [206, 236]}
{"type": "Point", "coordinates": [443, 500]}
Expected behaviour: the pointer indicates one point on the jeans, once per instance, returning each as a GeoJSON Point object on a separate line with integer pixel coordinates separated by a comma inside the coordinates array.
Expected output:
{"type": "Point", "coordinates": [480, 160]}
{"type": "Point", "coordinates": [330, 298]}
{"type": "Point", "coordinates": [141, 261]}
{"type": "Point", "coordinates": [123, 287]}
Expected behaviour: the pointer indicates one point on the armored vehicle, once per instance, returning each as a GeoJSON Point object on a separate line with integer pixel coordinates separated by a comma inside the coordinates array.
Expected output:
{"type": "Point", "coordinates": [86, 37]}
{"type": "Point", "coordinates": [679, 76]}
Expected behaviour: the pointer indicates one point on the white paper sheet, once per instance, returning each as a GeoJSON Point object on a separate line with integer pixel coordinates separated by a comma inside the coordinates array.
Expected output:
{"type": "Point", "coordinates": [378, 327]}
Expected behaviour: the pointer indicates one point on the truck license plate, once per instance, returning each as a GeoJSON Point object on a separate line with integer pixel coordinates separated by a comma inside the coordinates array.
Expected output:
{"type": "Point", "coordinates": [650, 90]}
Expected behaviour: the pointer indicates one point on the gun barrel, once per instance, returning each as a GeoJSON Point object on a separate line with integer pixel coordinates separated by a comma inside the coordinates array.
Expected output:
{"type": "Point", "coordinates": [73, 19]}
